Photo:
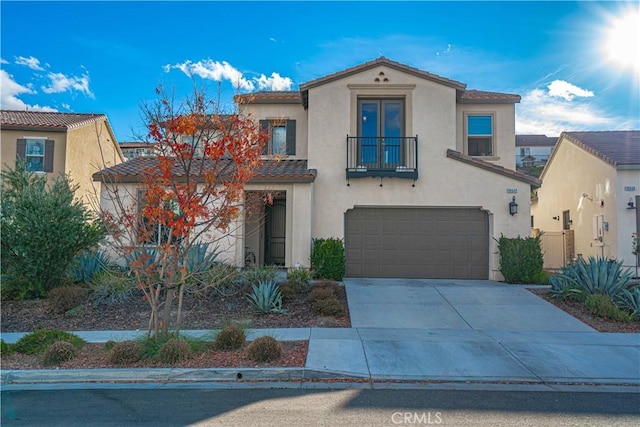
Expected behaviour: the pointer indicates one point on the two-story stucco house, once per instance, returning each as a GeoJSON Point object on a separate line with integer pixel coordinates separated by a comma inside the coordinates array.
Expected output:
{"type": "Point", "coordinates": [588, 202]}
{"type": "Point", "coordinates": [415, 172]}
{"type": "Point", "coordinates": [51, 142]}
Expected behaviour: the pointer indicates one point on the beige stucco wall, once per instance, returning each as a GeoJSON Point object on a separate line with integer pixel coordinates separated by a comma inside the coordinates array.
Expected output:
{"type": "Point", "coordinates": [90, 149]}
{"type": "Point", "coordinates": [9, 148]}
{"type": "Point", "coordinates": [431, 114]}
{"type": "Point", "coordinates": [504, 127]}
{"type": "Point", "coordinates": [78, 153]}
{"type": "Point", "coordinates": [572, 172]}
{"type": "Point", "coordinates": [283, 111]}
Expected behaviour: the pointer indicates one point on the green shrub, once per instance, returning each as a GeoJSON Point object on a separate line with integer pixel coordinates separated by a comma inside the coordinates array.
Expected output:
{"type": "Point", "coordinates": [6, 348]}
{"type": "Point", "coordinates": [174, 350]}
{"type": "Point", "coordinates": [601, 306]}
{"type": "Point", "coordinates": [38, 341]}
{"type": "Point", "coordinates": [521, 259]}
{"type": "Point", "coordinates": [63, 299]}
{"type": "Point", "coordinates": [109, 345]}
{"type": "Point", "coordinates": [256, 275]}
{"type": "Point", "coordinates": [43, 228]}
{"type": "Point", "coordinates": [318, 294]}
{"type": "Point", "coordinates": [231, 337]}
{"type": "Point", "coordinates": [328, 259]}
{"type": "Point", "coordinates": [598, 276]}
{"type": "Point", "coordinates": [87, 264]}
{"type": "Point", "coordinates": [111, 287]}
{"type": "Point", "coordinates": [58, 352]}
{"type": "Point", "coordinates": [290, 289]}
{"type": "Point", "coordinates": [126, 352]}
{"type": "Point", "coordinates": [264, 349]}
{"type": "Point", "coordinates": [328, 307]}
{"type": "Point", "coordinates": [299, 275]}
{"type": "Point", "coordinates": [266, 297]}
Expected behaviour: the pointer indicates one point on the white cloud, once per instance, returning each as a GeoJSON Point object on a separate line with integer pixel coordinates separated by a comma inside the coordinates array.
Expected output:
{"type": "Point", "coordinates": [275, 82]}
{"type": "Point", "coordinates": [3, 61]}
{"type": "Point", "coordinates": [219, 71]}
{"type": "Point", "coordinates": [31, 62]}
{"type": "Point", "coordinates": [566, 90]}
{"type": "Point", "coordinates": [546, 112]}
{"type": "Point", "coordinates": [61, 83]}
{"type": "Point", "coordinates": [11, 89]}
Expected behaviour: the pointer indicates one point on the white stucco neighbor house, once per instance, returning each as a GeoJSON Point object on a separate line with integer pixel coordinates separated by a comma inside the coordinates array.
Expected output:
{"type": "Point", "coordinates": [414, 171]}
{"type": "Point", "coordinates": [533, 150]}
{"type": "Point", "coordinates": [590, 193]}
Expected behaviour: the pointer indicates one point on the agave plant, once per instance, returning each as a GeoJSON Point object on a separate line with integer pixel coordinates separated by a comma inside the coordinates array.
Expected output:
{"type": "Point", "coordinates": [266, 297]}
{"type": "Point", "coordinates": [597, 276]}
{"type": "Point", "coordinates": [630, 300]}
{"type": "Point", "coordinates": [200, 259]}
{"type": "Point", "coordinates": [88, 264]}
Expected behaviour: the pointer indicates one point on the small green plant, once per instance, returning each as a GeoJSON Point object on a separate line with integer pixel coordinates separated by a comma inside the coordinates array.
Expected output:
{"type": "Point", "coordinates": [630, 300]}
{"type": "Point", "coordinates": [174, 350]}
{"type": "Point", "coordinates": [319, 293]}
{"type": "Point", "coordinates": [601, 306]}
{"type": "Point", "coordinates": [290, 289]}
{"type": "Point", "coordinates": [126, 352]}
{"type": "Point", "coordinates": [111, 287]}
{"type": "Point", "coordinates": [87, 264]}
{"type": "Point", "coordinates": [6, 348]}
{"type": "Point", "coordinates": [299, 275]}
{"type": "Point", "coordinates": [38, 341]}
{"type": "Point", "coordinates": [65, 298]}
{"type": "Point", "coordinates": [256, 275]}
{"type": "Point", "coordinates": [58, 352]}
{"type": "Point", "coordinates": [328, 307]}
{"type": "Point", "coordinates": [231, 337]}
{"type": "Point", "coordinates": [521, 259]}
{"type": "Point", "coordinates": [266, 297]}
{"type": "Point", "coordinates": [328, 258]}
{"type": "Point", "coordinates": [264, 349]}
{"type": "Point", "coordinates": [109, 345]}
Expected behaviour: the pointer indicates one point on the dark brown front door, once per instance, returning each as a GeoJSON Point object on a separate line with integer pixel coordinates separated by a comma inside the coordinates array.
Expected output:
{"type": "Point", "coordinates": [275, 226]}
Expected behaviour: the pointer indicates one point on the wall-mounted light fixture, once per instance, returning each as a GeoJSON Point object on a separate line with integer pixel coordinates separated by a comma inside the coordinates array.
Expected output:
{"type": "Point", "coordinates": [513, 206]}
{"type": "Point", "coordinates": [631, 205]}
{"type": "Point", "coordinates": [557, 218]}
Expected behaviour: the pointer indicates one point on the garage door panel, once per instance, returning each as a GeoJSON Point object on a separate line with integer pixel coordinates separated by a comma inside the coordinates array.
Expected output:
{"type": "Point", "coordinates": [417, 242]}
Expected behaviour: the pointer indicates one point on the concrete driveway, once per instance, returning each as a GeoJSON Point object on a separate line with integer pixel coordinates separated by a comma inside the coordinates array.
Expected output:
{"type": "Point", "coordinates": [468, 331]}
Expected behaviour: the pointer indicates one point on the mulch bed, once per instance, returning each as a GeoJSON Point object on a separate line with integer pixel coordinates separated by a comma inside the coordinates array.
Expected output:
{"type": "Point", "coordinates": [294, 354]}
{"type": "Point", "coordinates": [211, 312]}
{"type": "Point", "coordinates": [580, 312]}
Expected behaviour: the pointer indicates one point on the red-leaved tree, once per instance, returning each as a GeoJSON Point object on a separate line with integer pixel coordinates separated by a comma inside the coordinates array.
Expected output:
{"type": "Point", "coordinates": [190, 193]}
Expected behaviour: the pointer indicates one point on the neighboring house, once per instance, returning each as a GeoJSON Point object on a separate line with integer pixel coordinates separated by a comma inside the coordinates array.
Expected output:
{"type": "Point", "coordinates": [415, 172]}
{"type": "Point", "coordinates": [73, 143]}
{"type": "Point", "coordinates": [533, 152]}
{"type": "Point", "coordinates": [588, 202]}
{"type": "Point", "coordinates": [131, 150]}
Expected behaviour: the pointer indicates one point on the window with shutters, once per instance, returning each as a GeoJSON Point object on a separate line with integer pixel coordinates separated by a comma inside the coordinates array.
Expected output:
{"type": "Point", "coordinates": [281, 137]}
{"type": "Point", "coordinates": [37, 153]}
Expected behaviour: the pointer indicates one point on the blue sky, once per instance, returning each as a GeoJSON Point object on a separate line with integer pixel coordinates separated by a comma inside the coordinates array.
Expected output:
{"type": "Point", "coordinates": [572, 62]}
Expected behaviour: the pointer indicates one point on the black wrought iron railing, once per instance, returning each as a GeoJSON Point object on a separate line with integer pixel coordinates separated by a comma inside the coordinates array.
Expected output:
{"type": "Point", "coordinates": [382, 156]}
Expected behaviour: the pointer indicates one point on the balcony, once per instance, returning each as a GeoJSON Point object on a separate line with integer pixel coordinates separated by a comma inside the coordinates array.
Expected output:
{"type": "Point", "coordinates": [394, 157]}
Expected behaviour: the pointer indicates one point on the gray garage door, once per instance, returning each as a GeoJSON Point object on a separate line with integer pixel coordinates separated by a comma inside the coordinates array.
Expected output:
{"type": "Point", "coordinates": [417, 242]}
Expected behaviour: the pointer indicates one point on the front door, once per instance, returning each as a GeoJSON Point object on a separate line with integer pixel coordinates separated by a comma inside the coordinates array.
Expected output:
{"type": "Point", "coordinates": [274, 233]}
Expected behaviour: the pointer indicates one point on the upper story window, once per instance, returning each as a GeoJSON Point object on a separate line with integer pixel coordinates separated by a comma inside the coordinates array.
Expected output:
{"type": "Point", "coordinates": [480, 135]}
{"type": "Point", "coordinates": [281, 137]}
{"type": "Point", "coordinates": [37, 152]}
{"type": "Point", "coordinates": [380, 127]}
{"type": "Point", "coordinates": [196, 142]}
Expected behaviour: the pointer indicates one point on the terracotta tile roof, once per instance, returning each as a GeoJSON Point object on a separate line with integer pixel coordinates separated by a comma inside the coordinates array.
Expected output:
{"type": "Point", "coordinates": [535, 141]}
{"type": "Point", "coordinates": [482, 97]}
{"type": "Point", "coordinates": [13, 119]}
{"type": "Point", "coordinates": [618, 148]}
{"type": "Point", "coordinates": [270, 97]}
{"type": "Point", "coordinates": [381, 61]}
{"type": "Point", "coordinates": [269, 171]}
{"type": "Point", "coordinates": [520, 176]}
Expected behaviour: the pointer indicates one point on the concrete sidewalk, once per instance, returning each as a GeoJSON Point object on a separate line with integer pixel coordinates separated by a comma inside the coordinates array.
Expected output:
{"type": "Point", "coordinates": [454, 332]}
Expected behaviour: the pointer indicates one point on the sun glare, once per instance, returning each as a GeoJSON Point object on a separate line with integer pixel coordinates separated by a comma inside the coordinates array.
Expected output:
{"type": "Point", "coordinates": [622, 41]}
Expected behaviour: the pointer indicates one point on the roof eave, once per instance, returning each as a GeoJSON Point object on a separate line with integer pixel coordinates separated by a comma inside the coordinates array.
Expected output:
{"type": "Point", "coordinates": [456, 155]}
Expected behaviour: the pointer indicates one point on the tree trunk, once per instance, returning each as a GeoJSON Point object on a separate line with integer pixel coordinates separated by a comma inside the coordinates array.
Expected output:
{"type": "Point", "coordinates": [166, 317]}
